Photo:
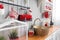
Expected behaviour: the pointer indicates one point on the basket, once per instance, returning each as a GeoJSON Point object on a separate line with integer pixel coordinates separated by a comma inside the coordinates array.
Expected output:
{"type": "Point", "coordinates": [40, 30]}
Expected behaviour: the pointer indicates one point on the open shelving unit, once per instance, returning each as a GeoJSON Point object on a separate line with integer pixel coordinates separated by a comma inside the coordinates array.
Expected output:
{"type": "Point", "coordinates": [7, 25]}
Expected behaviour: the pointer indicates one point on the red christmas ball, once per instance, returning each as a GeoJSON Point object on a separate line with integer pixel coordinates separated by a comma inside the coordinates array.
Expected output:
{"type": "Point", "coordinates": [46, 14]}
{"type": "Point", "coordinates": [1, 6]}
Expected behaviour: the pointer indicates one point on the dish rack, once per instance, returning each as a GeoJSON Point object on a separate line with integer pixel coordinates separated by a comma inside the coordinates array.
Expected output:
{"type": "Point", "coordinates": [9, 25]}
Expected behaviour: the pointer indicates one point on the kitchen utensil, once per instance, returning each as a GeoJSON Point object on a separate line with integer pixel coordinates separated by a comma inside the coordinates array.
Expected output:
{"type": "Point", "coordinates": [40, 30]}
{"type": "Point", "coordinates": [51, 22]}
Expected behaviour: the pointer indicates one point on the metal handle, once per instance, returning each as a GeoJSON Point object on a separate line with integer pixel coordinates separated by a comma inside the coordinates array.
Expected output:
{"type": "Point", "coordinates": [36, 20]}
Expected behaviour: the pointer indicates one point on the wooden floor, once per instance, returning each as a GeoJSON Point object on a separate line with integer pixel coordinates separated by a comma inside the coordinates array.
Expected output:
{"type": "Point", "coordinates": [51, 30]}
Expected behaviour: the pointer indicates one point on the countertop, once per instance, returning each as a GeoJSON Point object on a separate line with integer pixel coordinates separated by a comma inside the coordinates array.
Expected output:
{"type": "Point", "coordinates": [51, 30]}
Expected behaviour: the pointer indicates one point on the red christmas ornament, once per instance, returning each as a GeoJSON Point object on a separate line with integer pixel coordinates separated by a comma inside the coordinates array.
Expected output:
{"type": "Point", "coordinates": [46, 14]}
{"type": "Point", "coordinates": [28, 16]}
{"type": "Point", "coordinates": [1, 6]}
{"type": "Point", "coordinates": [46, 24]}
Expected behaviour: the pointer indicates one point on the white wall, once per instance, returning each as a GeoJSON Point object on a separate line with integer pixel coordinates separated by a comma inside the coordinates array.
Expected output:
{"type": "Point", "coordinates": [56, 12]}
{"type": "Point", "coordinates": [35, 10]}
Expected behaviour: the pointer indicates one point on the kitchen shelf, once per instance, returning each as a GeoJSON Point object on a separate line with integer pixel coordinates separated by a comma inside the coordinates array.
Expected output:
{"type": "Point", "coordinates": [12, 24]}
{"type": "Point", "coordinates": [7, 25]}
{"type": "Point", "coordinates": [9, 22]}
{"type": "Point", "coordinates": [14, 4]}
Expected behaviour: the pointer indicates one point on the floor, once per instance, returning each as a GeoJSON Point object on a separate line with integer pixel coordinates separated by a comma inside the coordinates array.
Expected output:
{"type": "Point", "coordinates": [51, 30]}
